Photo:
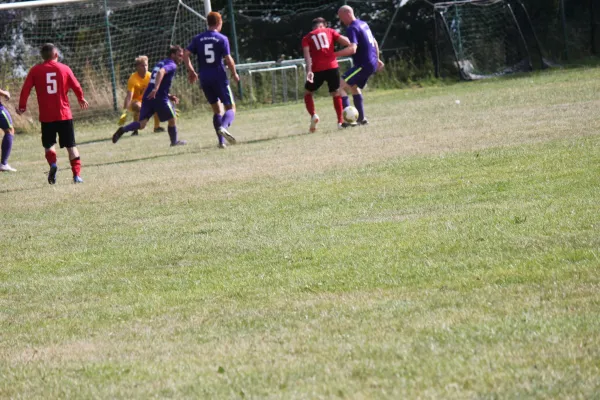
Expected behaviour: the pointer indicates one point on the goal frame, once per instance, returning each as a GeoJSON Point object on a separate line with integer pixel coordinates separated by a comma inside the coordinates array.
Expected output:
{"type": "Point", "coordinates": [41, 3]}
{"type": "Point", "coordinates": [36, 3]}
{"type": "Point", "coordinates": [438, 13]}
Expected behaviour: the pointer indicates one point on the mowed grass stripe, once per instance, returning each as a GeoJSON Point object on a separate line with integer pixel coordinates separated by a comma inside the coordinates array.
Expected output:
{"type": "Point", "coordinates": [440, 228]}
{"type": "Point", "coordinates": [451, 272]}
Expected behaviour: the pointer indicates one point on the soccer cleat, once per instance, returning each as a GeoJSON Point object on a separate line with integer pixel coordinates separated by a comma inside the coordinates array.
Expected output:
{"type": "Point", "coordinates": [348, 124]}
{"type": "Point", "coordinates": [135, 133]}
{"type": "Point", "coordinates": [179, 143]}
{"type": "Point", "coordinates": [52, 174]}
{"type": "Point", "coordinates": [314, 120]}
{"type": "Point", "coordinates": [363, 121]}
{"type": "Point", "coordinates": [118, 135]}
{"type": "Point", "coordinates": [225, 133]}
{"type": "Point", "coordinates": [160, 129]}
{"type": "Point", "coordinates": [222, 145]}
{"type": "Point", "coordinates": [6, 168]}
{"type": "Point", "coordinates": [77, 179]}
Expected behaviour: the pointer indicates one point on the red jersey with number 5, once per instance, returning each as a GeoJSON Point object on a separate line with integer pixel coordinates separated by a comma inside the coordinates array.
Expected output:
{"type": "Point", "coordinates": [321, 43]}
{"type": "Point", "coordinates": [52, 81]}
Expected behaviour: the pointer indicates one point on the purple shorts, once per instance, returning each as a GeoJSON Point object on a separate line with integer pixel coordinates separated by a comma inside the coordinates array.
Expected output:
{"type": "Point", "coordinates": [5, 119]}
{"type": "Point", "coordinates": [160, 107]}
{"type": "Point", "coordinates": [358, 75]}
{"type": "Point", "coordinates": [215, 91]}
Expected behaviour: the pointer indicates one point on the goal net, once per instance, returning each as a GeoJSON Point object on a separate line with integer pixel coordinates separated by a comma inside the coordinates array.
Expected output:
{"type": "Point", "coordinates": [479, 39]}
{"type": "Point", "coordinates": [98, 43]}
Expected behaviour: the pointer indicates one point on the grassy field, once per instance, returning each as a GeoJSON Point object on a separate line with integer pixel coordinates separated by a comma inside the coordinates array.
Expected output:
{"type": "Point", "coordinates": [445, 251]}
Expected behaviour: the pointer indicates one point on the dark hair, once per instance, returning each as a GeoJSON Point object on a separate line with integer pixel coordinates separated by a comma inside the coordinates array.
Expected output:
{"type": "Point", "coordinates": [318, 21]}
{"type": "Point", "coordinates": [174, 49]}
{"type": "Point", "coordinates": [47, 51]}
{"type": "Point", "coordinates": [213, 18]}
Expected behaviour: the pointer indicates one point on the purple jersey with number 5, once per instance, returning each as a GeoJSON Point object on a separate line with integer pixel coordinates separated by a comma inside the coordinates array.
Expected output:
{"type": "Point", "coordinates": [165, 85]}
{"type": "Point", "coordinates": [358, 32]}
{"type": "Point", "coordinates": [210, 47]}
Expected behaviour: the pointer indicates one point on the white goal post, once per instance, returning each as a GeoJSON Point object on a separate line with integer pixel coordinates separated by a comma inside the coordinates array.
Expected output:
{"type": "Point", "coordinates": [36, 3]}
{"type": "Point", "coordinates": [40, 3]}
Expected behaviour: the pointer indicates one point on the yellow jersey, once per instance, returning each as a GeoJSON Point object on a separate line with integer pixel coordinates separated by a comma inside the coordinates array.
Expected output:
{"type": "Point", "coordinates": [137, 85]}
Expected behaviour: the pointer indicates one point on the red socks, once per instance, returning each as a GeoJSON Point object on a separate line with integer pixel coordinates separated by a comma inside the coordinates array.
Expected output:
{"type": "Point", "coordinates": [339, 108]}
{"type": "Point", "coordinates": [51, 157]}
{"type": "Point", "coordinates": [337, 104]}
{"type": "Point", "coordinates": [76, 166]}
{"type": "Point", "coordinates": [310, 104]}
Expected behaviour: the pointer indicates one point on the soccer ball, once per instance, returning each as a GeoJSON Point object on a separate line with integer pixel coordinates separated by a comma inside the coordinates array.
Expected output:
{"type": "Point", "coordinates": [350, 114]}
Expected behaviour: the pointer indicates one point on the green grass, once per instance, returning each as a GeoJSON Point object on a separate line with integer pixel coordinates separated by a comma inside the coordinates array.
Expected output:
{"type": "Point", "coordinates": [444, 251]}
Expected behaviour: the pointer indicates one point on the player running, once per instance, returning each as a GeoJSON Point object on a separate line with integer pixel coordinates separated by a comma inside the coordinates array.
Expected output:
{"type": "Point", "coordinates": [9, 134]}
{"type": "Point", "coordinates": [211, 49]}
{"type": "Point", "coordinates": [52, 81]}
{"type": "Point", "coordinates": [365, 55]}
{"type": "Point", "coordinates": [136, 85]}
{"type": "Point", "coordinates": [322, 66]}
{"type": "Point", "coordinates": [157, 99]}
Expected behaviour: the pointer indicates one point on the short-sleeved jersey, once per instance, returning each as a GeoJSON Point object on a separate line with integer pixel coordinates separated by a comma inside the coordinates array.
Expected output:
{"type": "Point", "coordinates": [321, 44]}
{"type": "Point", "coordinates": [52, 81]}
{"type": "Point", "coordinates": [136, 85]}
{"type": "Point", "coordinates": [210, 47]}
{"type": "Point", "coordinates": [165, 85]}
{"type": "Point", "coordinates": [366, 53]}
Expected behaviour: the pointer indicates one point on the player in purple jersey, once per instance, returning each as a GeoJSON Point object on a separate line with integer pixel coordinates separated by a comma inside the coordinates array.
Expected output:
{"type": "Point", "coordinates": [211, 49]}
{"type": "Point", "coordinates": [365, 56]}
{"type": "Point", "coordinates": [9, 134]}
{"type": "Point", "coordinates": [157, 98]}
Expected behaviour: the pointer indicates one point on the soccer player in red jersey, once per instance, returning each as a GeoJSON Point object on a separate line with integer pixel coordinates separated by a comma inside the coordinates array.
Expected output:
{"type": "Point", "coordinates": [322, 66]}
{"type": "Point", "coordinates": [52, 81]}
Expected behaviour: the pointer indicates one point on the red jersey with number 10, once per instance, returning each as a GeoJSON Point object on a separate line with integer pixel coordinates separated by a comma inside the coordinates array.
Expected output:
{"type": "Point", "coordinates": [321, 43]}
{"type": "Point", "coordinates": [52, 81]}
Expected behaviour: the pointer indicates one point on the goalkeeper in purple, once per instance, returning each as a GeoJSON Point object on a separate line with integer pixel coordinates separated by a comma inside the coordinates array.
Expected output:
{"type": "Point", "coordinates": [211, 49]}
{"type": "Point", "coordinates": [365, 56]}
{"type": "Point", "coordinates": [157, 98]}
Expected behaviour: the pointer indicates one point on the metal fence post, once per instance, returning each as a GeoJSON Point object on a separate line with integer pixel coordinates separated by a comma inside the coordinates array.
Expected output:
{"type": "Point", "coordinates": [236, 51]}
{"type": "Point", "coordinates": [563, 16]}
{"type": "Point", "coordinates": [110, 57]}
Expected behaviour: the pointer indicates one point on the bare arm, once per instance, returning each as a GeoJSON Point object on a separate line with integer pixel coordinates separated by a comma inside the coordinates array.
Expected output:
{"type": "Point", "coordinates": [343, 41]}
{"type": "Point", "coordinates": [380, 63]}
{"type": "Point", "coordinates": [231, 65]}
{"type": "Point", "coordinates": [347, 51]}
{"type": "Point", "coordinates": [76, 88]}
{"type": "Point", "coordinates": [27, 86]}
{"type": "Point", "coordinates": [157, 81]}
{"type": "Point", "coordinates": [308, 61]}
{"type": "Point", "coordinates": [127, 102]}
{"type": "Point", "coordinates": [192, 75]}
{"type": "Point", "coordinates": [5, 93]}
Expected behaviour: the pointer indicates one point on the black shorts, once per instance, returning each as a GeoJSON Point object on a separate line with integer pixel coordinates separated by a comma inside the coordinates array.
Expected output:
{"type": "Point", "coordinates": [331, 76]}
{"type": "Point", "coordinates": [65, 131]}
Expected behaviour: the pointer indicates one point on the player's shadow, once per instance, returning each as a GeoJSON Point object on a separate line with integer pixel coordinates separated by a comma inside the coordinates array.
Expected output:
{"type": "Point", "coordinates": [195, 151]}
{"type": "Point", "coordinates": [134, 160]}
{"type": "Point", "coordinates": [94, 141]}
{"type": "Point", "coordinates": [21, 189]}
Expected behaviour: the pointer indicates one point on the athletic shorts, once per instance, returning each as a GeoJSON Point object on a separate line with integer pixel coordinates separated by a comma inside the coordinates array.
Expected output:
{"type": "Point", "coordinates": [215, 91]}
{"type": "Point", "coordinates": [5, 119]}
{"type": "Point", "coordinates": [65, 131]}
{"type": "Point", "coordinates": [163, 108]}
{"type": "Point", "coordinates": [331, 76]}
{"type": "Point", "coordinates": [358, 75]}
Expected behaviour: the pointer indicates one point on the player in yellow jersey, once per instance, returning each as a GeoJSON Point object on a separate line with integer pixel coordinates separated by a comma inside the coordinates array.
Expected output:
{"type": "Point", "coordinates": [136, 85]}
